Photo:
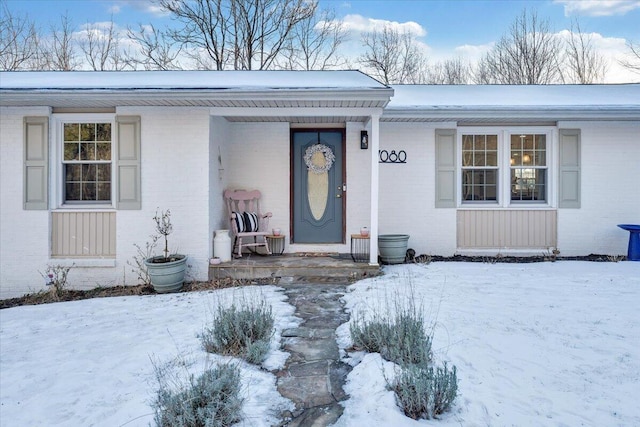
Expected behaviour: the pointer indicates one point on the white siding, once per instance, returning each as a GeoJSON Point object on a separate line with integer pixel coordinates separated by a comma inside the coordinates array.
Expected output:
{"type": "Point", "coordinates": [89, 234]}
{"type": "Point", "coordinates": [507, 229]}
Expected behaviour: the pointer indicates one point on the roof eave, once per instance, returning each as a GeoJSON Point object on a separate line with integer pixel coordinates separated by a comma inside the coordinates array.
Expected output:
{"type": "Point", "coordinates": [542, 113]}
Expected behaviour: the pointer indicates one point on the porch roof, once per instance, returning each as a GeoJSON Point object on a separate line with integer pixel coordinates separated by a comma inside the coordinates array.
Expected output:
{"type": "Point", "coordinates": [224, 89]}
{"type": "Point", "coordinates": [486, 104]}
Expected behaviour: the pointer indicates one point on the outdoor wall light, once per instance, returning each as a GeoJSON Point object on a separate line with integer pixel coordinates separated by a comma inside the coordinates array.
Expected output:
{"type": "Point", "coordinates": [364, 139]}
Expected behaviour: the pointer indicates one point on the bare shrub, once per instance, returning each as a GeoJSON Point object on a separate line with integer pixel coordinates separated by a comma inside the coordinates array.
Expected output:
{"type": "Point", "coordinates": [56, 277]}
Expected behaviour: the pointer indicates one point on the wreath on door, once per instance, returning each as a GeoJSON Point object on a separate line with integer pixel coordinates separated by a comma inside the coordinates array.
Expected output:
{"type": "Point", "coordinates": [329, 158]}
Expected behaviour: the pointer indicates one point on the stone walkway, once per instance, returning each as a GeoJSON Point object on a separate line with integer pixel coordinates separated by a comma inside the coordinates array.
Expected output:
{"type": "Point", "coordinates": [313, 375]}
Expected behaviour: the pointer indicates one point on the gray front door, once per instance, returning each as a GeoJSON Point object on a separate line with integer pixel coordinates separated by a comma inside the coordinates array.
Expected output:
{"type": "Point", "coordinates": [317, 189]}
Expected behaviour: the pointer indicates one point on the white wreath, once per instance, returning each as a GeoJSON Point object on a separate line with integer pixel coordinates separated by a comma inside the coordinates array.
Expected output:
{"type": "Point", "coordinates": [329, 158]}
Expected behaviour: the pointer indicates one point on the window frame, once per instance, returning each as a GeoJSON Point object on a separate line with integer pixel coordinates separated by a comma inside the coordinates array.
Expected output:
{"type": "Point", "coordinates": [503, 195]}
{"type": "Point", "coordinates": [58, 164]}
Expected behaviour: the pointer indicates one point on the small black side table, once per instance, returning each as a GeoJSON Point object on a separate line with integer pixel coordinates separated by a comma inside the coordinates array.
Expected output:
{"type": "Point", "coordinates": [359, 248]}
{"type": "Point", "coordinates": [276, 244]}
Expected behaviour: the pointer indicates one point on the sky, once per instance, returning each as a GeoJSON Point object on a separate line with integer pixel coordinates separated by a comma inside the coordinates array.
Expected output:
{"type": "Point", "coordinates": [444, 29]}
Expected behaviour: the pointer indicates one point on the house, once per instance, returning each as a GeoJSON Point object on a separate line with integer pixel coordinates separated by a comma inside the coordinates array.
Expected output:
{"type": "Point", "coordinates": [86, 159]}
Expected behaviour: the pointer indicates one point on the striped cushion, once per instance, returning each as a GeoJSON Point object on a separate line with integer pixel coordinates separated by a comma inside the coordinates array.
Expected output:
{"type": "Point", "coordinates": [246, 222]}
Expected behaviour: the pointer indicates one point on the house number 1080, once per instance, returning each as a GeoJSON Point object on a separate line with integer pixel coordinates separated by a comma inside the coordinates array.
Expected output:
{"type": "Point", "coordinates": [393, 156]}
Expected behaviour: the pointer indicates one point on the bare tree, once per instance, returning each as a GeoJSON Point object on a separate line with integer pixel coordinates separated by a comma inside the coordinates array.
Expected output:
{"type": "Point", "coordinates": [314, 43]}
{"type": "Point", "coordinates": [62, 48]}
{"type": "Point", "coordinates": [19, 40]}
{"type": "Point", "coordinates": [528, 54]}
{"type": "Point", "coordinates": [393, 57]}
{"type": "Point", "coordinates": [205, 30]}
{"type": "Point", "coordinates": [633, 63]}
{"type": "Point", "coordinates": [449, 72]}
{"type": "Point", "coordinates": [237, 34]}
{"type": "Point", "coordinates": [157, 51]}
{"type": "Point", "coordinates": [264, 26]}
{"type": "Point", "coordinates": [583, 62]}
{"type": "Point", "coordinates": [101, 47]}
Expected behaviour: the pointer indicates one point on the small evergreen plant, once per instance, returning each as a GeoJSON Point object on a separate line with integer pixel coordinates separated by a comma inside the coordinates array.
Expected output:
{"type": "Point", "coordinates": [243, 331]}
{"type": "Point", "coordinates": [210, 400]}
{"type": "Point", "coordinates": [421, 390]}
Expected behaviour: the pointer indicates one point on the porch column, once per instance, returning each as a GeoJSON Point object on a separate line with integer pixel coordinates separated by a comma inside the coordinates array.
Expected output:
{"type": "Point", "coordinates": [374, 145]}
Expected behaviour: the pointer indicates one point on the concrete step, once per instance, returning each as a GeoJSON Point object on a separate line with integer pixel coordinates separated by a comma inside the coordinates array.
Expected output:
{"type": "Point", "coordinates": [293, 266]}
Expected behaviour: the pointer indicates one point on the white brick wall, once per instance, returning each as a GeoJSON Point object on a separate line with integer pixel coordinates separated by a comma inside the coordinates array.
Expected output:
{"type": "Point", "coordinates": [24, 242]}
{"type": "Point", "coordinates": [175, 176]}
{"type": "Point", "coordinates": [610, 190]}
{"type": "Point", "coordinates": [407, 191]}
{"type": "Point", "coordinates": [180, 171]}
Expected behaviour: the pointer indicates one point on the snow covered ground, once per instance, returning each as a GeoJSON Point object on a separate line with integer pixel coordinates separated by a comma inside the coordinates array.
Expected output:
{"type": "Point", "coordinates": [551, 344]}
{"type": "Point", "coordinates": [544, 344]}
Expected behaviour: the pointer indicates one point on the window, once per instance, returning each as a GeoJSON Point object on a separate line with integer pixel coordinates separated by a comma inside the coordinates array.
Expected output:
{"type": "Point", "coordinates": [86, 162]}
{"type": "Point", "coordinates": [504, 167]}
{"type": "Point", "coordinates": [528, 167]}
{"type": "Point", "coordinates": [479, 168]}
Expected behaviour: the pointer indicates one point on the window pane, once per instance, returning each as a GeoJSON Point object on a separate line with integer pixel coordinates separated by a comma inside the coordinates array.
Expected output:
{"type": "Point", "coordinates": [72, 191]}
{"type": "Point", "coordinates": [71, 132]}
{"type": "Point", "coordinates": [87, 151]}
{"type": "Point", "coordinates": [88, 172]}
{"type": "Point", "coordinates": [467, 142]}
{"type": "Point", "coordinates": [104, 191]}
{"type": "Point", "coordinates": [492, 142]}
{"type": "Point", "coordinates": [528, 184]}
{"type": "Point", "coordinates": [103, 151]}
{"type": "Point", "coordinates": [479, 185]}
{"type": "Point", "coordinates": [87, 131]}
{"type": "Point", "coordinates": [71, 151]}
{"type": "Point", "coordinates": [73, 173]}
{"type": "Point", "coordinates": [492, 158]}
{"type": "Point", "coordinates": [89, 191]}
{"type": "Point", "coordinates": [467, 158]}
{"type": "Point", "coordinates": [104, 173]}
{"type": "Point", "coordinates": [103, 132]}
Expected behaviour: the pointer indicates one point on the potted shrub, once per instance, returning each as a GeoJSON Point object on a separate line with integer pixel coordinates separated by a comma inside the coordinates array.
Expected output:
{"type": "Point", "coordinates": [166, 272]}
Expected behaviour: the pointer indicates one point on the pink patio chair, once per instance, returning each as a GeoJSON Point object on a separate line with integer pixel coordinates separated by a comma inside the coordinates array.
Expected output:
{"type": "Point", "coordinates": [246, 219]}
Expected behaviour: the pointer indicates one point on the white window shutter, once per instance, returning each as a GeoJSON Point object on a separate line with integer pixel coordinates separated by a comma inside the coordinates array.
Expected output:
{"type": "Point", "coordinates": [36, 163]}
{"type": "Point", "coordinates": [128, 167]}
{"type": "Point", "coordinates": [445, 168]}
{"type": "Point", "coordinates": [569, 177]}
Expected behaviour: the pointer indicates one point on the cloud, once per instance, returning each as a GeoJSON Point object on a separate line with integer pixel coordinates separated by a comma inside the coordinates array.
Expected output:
{"type": "Point", "coordinates": [146, 6]}
{"type": "Point", "coordinates": [472, 52]}
{"type": "Point", "coordinates": [598, 7]}
{"type": "Point", "coordinates": [360, 24]}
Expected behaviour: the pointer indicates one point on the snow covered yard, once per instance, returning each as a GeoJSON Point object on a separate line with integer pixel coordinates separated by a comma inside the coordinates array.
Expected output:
{"type": "Point", "coordinates": [90, 362]}
{"type": "Point", "coordinates": [543, 344]}
{"type": "Point", "coordinates": [552, 344]}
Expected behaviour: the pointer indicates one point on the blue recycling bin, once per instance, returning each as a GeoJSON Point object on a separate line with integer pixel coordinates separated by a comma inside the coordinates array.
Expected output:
{"type": "Point", "coordinates": [633, 253]}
